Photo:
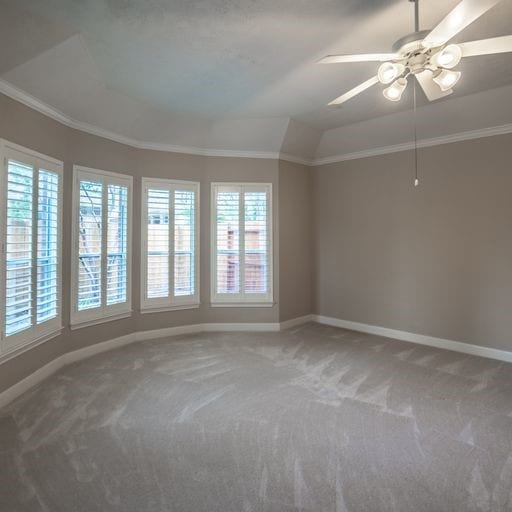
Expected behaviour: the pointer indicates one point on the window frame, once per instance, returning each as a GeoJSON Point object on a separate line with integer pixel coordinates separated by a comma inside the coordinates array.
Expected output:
{"type": "Point", "coordinates": [103, 313]}
{"type": "Point", "coordinates": [169, 303]}
{"type": "Point", "coordinates": [241, 299]}
{"type": "Point", "coordinates": [37, 333]}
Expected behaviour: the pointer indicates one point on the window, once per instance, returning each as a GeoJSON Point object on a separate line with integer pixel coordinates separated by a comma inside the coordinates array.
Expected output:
{"type": "Point", "coordinates": [101, 246]}
{"type": "Point", "coordinates": [241, 244]}
{"type": "Point", "coordinates": [170, 244]}
{"type": "Point", "coordinates": [30, 226]}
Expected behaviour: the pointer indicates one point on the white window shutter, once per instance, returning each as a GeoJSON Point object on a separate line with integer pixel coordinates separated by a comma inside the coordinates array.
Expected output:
{"type": "Point", "coordinates": [184, 243]}
{"type": "Point", "coordinates": [242, 244]}
{"type": "Point", "coordinates": [227, 240]}
{"type": "Point", "coordinates": [158, 240]}
{"type": "Point", "coordinates": [47, 246]}
{"type": "Point", "coordinates": [19, 286]}
{"type": "Point", "coordinates": [170, 233]}
{"type": "Point", "coordinates": [117, 244]}
{"type": "Point", "coordinates": [90, 235]}
{"type": "Point", "coordinates": [30, 263]}
{"type": "Point", "coordinates": [101, 246]}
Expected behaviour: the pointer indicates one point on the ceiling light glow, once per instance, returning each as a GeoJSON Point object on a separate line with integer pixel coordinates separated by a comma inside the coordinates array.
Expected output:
{"type": "Point", "coordinates": [388, 71]}
{"type": "Point", "coordinates": [448, 57]}
{"type": "Point", "coordinates": [395, 90]}
{"type": "Point", "coordinates": [446, 79]}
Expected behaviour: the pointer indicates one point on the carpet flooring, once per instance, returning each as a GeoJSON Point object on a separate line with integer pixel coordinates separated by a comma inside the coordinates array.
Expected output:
{"type": "Point", "coordinates": [311, 419]}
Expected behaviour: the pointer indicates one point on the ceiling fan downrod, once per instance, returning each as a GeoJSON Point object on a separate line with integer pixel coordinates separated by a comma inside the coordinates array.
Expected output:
{"type": "Point", "coordinates": [416, 15]}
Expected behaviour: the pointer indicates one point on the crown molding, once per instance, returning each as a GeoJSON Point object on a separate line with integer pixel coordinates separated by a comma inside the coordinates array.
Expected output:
{"type": "Point", "coordinates": [423, 143]}
{"type": "Point", "coordinates": [295, 159]}
{"type": "Point", "coordinates": [30, 101]}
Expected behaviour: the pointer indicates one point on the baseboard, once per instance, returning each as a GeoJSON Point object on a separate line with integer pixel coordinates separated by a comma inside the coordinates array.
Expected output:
{"type": "Point", "coordinates": [28, 382]}
{"type": "Point", "coordinates": [168, 331]}
{"type": "Point", "coordinates": [294, 322]}
{"type": "Point", "coordinates": [98, 348]}
{"type": "Point", "coordinates": [41, 374]}
{"type": "Point", "coordinates": [46, 371]}
{"type": "Point", "coordinates": [420, 339]}
{"type": "Point", "coordinates": [261, 327]}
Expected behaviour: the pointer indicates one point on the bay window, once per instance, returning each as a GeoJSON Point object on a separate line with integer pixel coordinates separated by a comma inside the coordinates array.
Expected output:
{"type": "Point", "coordinates": [101, 255]}
{"type": "Point", "coordinates": [241, 244]}
{"type": "Point", "coordinates": [31, 233]}
{"type": "Point", "coordinates": [170, 244]}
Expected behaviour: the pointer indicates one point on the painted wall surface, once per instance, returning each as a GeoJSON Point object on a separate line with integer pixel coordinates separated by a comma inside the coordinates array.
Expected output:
{"type": "Point", "coordinates": [433, 260]}
{"type": "Point", "coordinates": [353, 240]}
{"type": "Point", "coordinates": [295, 240]}
{"type": "Point", "coordinates": [24, 126]}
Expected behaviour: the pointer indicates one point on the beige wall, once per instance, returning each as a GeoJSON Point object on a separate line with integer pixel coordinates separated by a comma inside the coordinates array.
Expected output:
{"type": "Point", "coordinates": [353, 240]}
{"type": "Point", "coordinates": [24, 126]}
{"type": "Point", "coordinates": [296, 247]}
{"type": "Point", "coordinates": [433, 260]}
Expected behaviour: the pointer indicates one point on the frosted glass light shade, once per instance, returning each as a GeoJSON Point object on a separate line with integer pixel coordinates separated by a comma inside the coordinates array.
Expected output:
{"type": "Point", "coordinates": [388, 71]}
{"type": "Point", "coordinates": [446, 79]}
{"type": "Point", "coordinates": [395, 90]}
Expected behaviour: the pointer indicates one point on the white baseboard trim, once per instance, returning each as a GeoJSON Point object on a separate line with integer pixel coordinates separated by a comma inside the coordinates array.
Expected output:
{"type": "Point", "coordinates": [456, 346]}
{"type": "Point", "coordinates": [24, 385]}
{"type": "Point", "coordinates": [41, 374]}
{"type": "Point", "coordinates": [168, 331]}
{"type": "Point", "coordinates": [98, 348]}
{"type": "Point", "coordinates": [261, 327]}
{"type": "Point", "coordinates": [294, 322]}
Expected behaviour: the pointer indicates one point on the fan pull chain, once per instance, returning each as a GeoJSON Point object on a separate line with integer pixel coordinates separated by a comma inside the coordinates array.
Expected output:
{"type": "Point", "coordinates": [416, 28]}
{"type": "Point", "coordinates": [416, 179]}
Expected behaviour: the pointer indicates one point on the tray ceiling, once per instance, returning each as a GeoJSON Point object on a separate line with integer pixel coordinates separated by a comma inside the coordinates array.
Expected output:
{"type": "Point", "coordinates": [177, 71]}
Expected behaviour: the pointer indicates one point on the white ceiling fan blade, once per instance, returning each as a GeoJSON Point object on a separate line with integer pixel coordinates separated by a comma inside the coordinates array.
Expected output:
{"type": "Point", "coordinates": [355, 91]}
{"type": "Point", "coordinates": [430, 88]}
{"type": "Point", "coordinates": [367, 57]}
{"type": "Point", "coordinates": [487, 46]}
{"type": "Point", "coordinates": [459, 18]}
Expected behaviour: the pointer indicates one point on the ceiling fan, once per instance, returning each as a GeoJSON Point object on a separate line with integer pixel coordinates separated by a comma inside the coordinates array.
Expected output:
{"type": "Point", "coordinates": [426, 55]}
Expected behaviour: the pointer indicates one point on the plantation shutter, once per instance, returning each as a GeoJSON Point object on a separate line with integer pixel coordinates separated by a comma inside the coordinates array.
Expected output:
{"type": "Point", "coordinates": [90, 233]}
{"type": "Point", "coordinates": [19, 281]}
{"type": "Point", "coordinates": [256, 250]}
{"type": "Point", "coordinates": [184, 243]}
{"type": "Point", "coordinates": [47, 246]}
{"type": "Point", "coordinates": [30, 267]}
{"type": "Point", "coordinates": [102, 245]}
{"type": "Point", "coordinates": [228, 240]}
{"type": "Point", "coordinates": [242, 243]}
{"type": "Point", "coordinates": [158, 243]}
{"type": "Point", "coordinates": [169, 253]}
{"type": "Point", "coordinates": [117, 244]}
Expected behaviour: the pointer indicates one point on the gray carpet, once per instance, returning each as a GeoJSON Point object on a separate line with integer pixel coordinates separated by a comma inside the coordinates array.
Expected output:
{"type": "Point", "coordinates": [312, 419]}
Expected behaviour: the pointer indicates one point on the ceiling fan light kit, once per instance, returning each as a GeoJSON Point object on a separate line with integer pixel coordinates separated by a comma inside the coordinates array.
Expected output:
{"type": "Point", "coordinates": [395, 90]}
{"type": "Point", "coordinates": [426, 55]}
{"type": "Point", "coordinates": [446, 79]}
{"type": "Point", "coordinates": [389, 71]}
{"type": "Point", "coordinates": [448, 57]}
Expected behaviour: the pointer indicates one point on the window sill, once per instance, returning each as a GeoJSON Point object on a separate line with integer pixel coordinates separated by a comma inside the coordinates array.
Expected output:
{"type": "Point", "coordinates": [180, 307]}
{"type": "Point", "coordinates": [220, 304]}
{"type": "Point", "coordinates": [88, 323]}
{"type": "Point", "coordinates": [12, 352]}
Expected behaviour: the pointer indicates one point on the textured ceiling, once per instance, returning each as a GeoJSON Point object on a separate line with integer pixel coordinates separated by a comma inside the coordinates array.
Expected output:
{"type": "Point", "coordinates": [164, 70]}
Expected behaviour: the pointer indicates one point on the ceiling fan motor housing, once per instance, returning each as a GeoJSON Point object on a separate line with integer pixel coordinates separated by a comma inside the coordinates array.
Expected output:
{"type": "Point", "coordinates": [413, 39]}
{"type": "Point", "coordinates": [413, 53]}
